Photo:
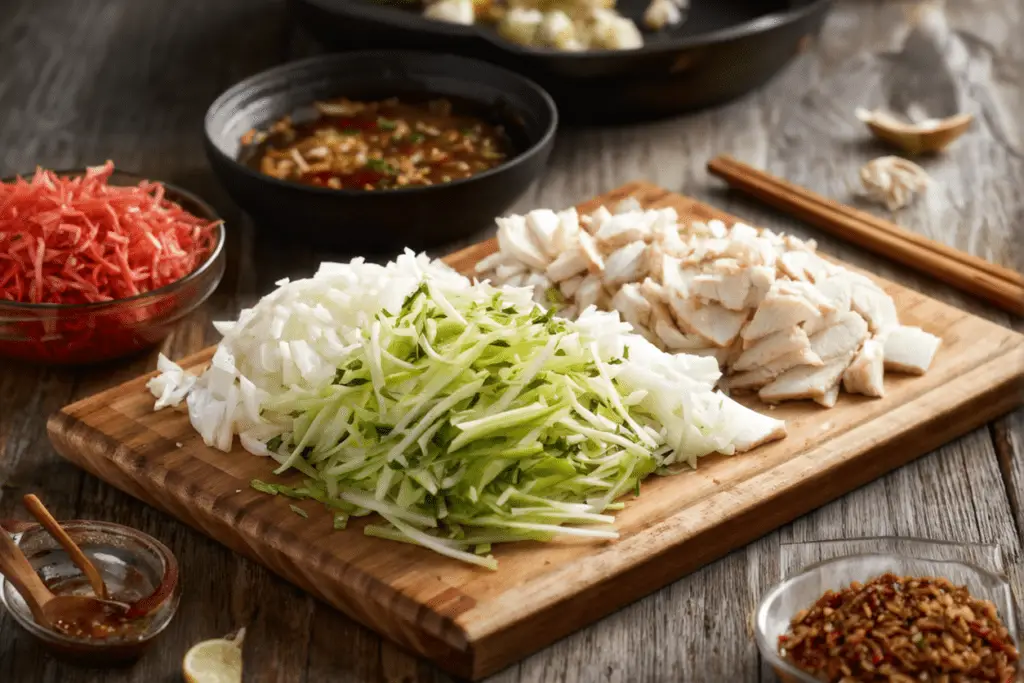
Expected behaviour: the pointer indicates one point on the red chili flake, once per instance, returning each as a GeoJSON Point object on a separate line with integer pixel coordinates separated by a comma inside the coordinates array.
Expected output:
{"type": "Point", "coordinates": [82, 240]}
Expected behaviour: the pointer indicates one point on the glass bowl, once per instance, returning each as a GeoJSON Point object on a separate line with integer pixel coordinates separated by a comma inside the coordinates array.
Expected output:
{"type": "Point", "coordinates": [810, 569]}
{"type": "Point", "coordinates": [133, 565]}
{"type": "Point", "coordinates": [73, 334]}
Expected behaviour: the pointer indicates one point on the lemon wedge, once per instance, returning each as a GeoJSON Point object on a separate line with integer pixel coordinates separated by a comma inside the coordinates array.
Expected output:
{"type": "Point", "coordinates": [218, 660]}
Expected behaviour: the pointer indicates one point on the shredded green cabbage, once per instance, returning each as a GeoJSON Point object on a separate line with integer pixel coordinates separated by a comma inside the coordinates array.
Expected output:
{"type": "Point", "coordinates": [465, 424]}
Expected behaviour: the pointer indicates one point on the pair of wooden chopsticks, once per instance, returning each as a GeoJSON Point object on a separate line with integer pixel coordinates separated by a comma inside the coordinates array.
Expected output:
{"type": "Point", "coordinates": [997, 285]}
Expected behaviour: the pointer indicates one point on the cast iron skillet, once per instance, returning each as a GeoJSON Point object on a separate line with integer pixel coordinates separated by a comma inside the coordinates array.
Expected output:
{"type": "Point", "coordinates": [724, 49]}
{"type": "Point", "coordinates": [381, 220]}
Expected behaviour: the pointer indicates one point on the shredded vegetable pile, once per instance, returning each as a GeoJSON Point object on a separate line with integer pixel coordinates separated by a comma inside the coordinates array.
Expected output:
{"type": "Point", "coordinates": [462, 414]}
{"type": "Point", "coordinates": [82, 240]}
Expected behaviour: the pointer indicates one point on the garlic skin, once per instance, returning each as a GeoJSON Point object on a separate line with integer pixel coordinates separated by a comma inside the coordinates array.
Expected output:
{"type": "Point", "coordinates": [893, 181]}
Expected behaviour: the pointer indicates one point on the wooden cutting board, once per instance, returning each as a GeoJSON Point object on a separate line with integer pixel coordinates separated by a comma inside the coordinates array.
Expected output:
{"type": "Point", "coordinates": [473, 622]}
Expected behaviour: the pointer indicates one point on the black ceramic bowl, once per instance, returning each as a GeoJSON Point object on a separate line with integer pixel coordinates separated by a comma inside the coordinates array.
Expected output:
{"type": "Point", "coordinates": [381, 220]}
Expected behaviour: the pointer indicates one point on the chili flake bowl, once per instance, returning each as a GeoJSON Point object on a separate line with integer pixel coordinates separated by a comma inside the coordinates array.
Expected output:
{"type": "Point", "coordinates": [382, 220]}
{"type": "Point", "coordinates": [76, 334]}
{"type": "Point", "coordinates": [900, 556]}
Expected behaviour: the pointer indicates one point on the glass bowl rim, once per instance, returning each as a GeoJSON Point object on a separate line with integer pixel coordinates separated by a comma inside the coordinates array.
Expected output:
{"type": "Point", "coordinates": [170, 606]}
{"type": "Point", "coordinates": [209, 213]}
{"type": "Point", "coordinates": [770, 652]}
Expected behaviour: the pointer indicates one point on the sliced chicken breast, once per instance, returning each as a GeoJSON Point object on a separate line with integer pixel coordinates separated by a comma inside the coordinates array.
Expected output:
{"type": "Point", "coordinates": [779, 312]}
{"type": "Point", "coordinates": [711, 321]}
{"type": "Point", "coordinates": [830, 398]}
{"type": "Point", "coordinates": [866, 373]}
{"type": "Point", "coordinates": [841, 339]}
{"type": "Point", "coordinates": [514, 240]}
{"type": "Point", "coordinates": [910, 350]}
{"type": "Point", "coordinates": [805, 382]}
{"type": "Point", "coordinates": [625, 264]}
{"type": "Point", "coordinates": [767, 349]}
{"type": "Point", "coordinates": [763, 374]}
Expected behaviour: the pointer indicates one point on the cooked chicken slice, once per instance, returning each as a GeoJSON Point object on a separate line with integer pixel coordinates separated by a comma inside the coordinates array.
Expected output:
{"type": "Point", "coordinates": [671, 276]}
{"type": "Point", "coordinates": [542, 224]}
{"type": "Point", "coordinates": [514, 240]}
{"type": "Point", "coordinates": [597, 219]}
{"type": "Point", "coordinates": [763, 374]}
{"type": "Point", "coordinates": [805, 382]}
{"type": "Point", "coordinates": [754, 429]}
{"type": "Point", "coordinates": [837, 291]}
{"type": "Point", "coordinates": [631, 305]}
{"type": "Point", "coordinates": [830, 397]}
{"type": "Point", "coordinates": [822, 322]}
{"type": "Point", "coordinates": [871, 301]}
{"type": "Point", "coordinates": [567, 233]}
{"type": "Point", "coordinates": [875, 306]}
{"type": "Point", "coordinates": [569, 263]}
{"type": "Point", "coordinates": [725, 282]}
{"type": "Point", "coordinates": [625, 264]}
{"type": "Point", "coordinates": [910, 350]}
{"type": "Point", "coordinates": [595, 263]}
{"type": "Point", "coordinates": [805, 265]}
{"type": "Point", "coordinates": [589, 292]}
{"type": "Point", "coordinates": [569, 312]}
{"type": "Point", "coordinates": [721, 355]}
{"type": "Point", "coordinates": [714, 322]}
{"type": "Point", "coordinates": [841, 339]}
{"type": "Point", "coordinates": [866, 372]}
{"type": "Point", "coordinates": [623, 228]}
{"type": "Point", "coordinates": [569, 287]}
{"type": "Point", "coordinates": [666, 237]}
{"type": "Point", "coordinates": [809, 292]}
{"type": "Point", "coordinates": [668, 334]}
{"type": "Point", "coordinates": [767, 349]}
{"type": "Point", "coordinates": [761, 280]}
{"type": "Point", "coordinates": [652, 291]}
{"type": "Point", "coordinates": [674, 340]}
{"type": "Point", "coordinates": [779, 312]}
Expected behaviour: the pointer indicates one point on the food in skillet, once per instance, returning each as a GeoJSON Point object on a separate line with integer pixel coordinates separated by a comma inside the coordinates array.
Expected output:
{"type": "Point", "coordinates": [379, 145]}
{"type": "Point", "coordinates": [464, 415]}
{"type": "Point", "coordinates": [896, 629]}
{"type": "Point", "coordinates": [567, 25]}
{"type": "Point", "coordinates": [779, 319]}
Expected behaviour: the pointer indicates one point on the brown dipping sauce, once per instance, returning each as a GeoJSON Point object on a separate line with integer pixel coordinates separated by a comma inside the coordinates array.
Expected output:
{"type": "Point", "coordinates": [379, 145]}
{"type": "Point", "coordinates": [111, 622]}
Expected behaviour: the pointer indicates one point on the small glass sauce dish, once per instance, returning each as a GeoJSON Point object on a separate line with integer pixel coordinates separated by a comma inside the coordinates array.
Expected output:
{"type": "Point", "coordinates": [835, 564]}
{"type": "Point", "coordinates": [133, 566]}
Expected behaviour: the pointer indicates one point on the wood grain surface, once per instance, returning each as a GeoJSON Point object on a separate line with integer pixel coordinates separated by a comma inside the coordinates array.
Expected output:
{"type": "Point", "coordinates": [473, 622]}
{"type": "Point", "coordinates": [88, 80]}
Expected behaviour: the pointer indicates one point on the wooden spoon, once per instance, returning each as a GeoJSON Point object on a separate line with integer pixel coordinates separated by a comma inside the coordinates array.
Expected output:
{"type": "Point", "coordinates": [56, 612]}
{"type": "Point", "coordinates": [915, 138]}
{"type": "Point", "coordinates": [39, 511]}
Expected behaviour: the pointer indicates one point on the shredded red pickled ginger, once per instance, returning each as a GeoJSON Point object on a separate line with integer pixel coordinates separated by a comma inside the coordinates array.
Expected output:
{"type": "Point", "coordinates": [82, 240]}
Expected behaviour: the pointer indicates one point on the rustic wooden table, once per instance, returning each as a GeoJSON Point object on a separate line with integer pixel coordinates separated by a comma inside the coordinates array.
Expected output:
{"type": "Point", "coordinates": [130, 81]}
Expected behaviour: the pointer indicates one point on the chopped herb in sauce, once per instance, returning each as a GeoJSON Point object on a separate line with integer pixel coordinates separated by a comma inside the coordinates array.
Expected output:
{"type": "Point", "coordinates": [380, 145]}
